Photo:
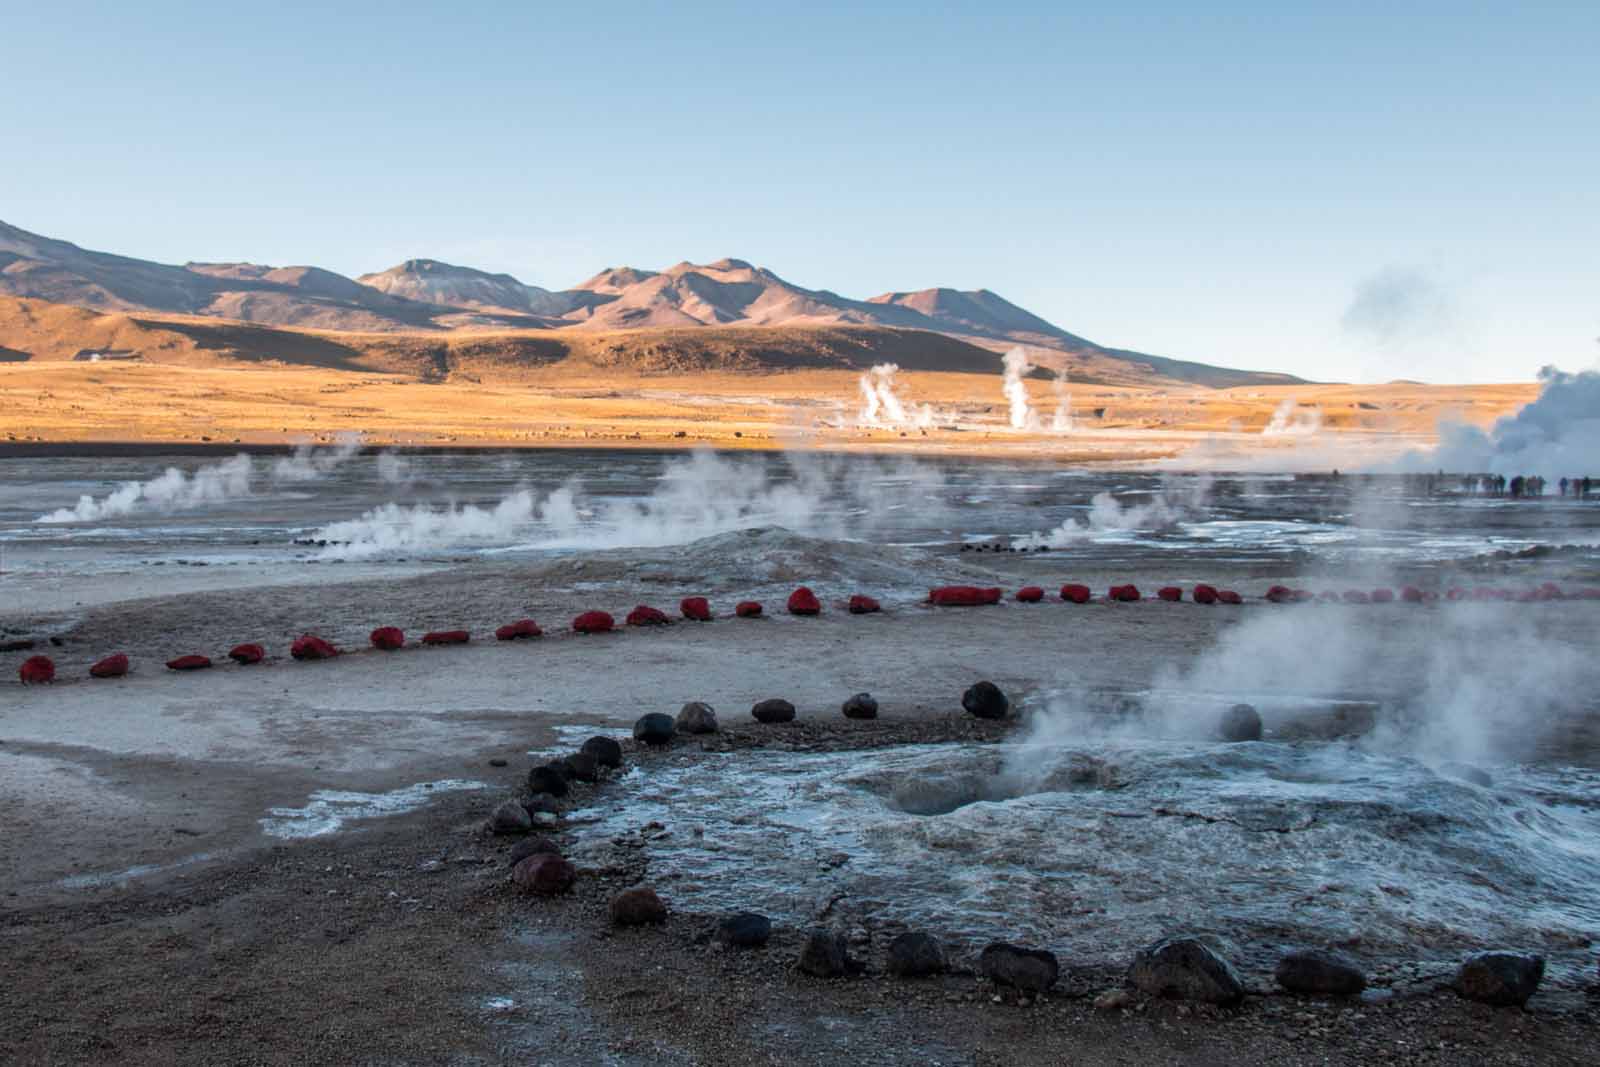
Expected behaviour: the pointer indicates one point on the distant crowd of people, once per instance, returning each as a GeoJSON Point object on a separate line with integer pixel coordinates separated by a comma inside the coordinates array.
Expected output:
{"type": "Point", "coordinates": [1530, 485]}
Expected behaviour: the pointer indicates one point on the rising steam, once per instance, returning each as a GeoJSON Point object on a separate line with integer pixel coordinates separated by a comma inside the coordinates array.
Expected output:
{"type": "Point", "coordinates": [1291, 420]}
{"type": "Point", "coordinates": [881, 404]}
{"type": "Point", "coordinates": [172, 490]}
{"type": "Point", "coordinates": [209, 485]}
{"type": "Point", "coordinates": [1555, 436]}
{"type": "Point", "coordinates": [1178, 500]}
{"type": "Point", "coordinates": [1022, 416]}
{"type": "Point", "coordinates": [1061, 421]}
{"type": "Point", "coordinates": [696, 496]}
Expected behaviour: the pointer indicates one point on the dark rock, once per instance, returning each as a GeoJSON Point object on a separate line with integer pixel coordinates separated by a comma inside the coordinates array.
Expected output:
{"type": "Point", "coordinates": [637, 906]}
{"type": "Point", "coordinates": [510, 818]}
{"type": "Point", "coordinates": [775, 710]}
{"type": "Point", "coordinates": [745, 930]}
{"type": "Point", "coordinates": [582, 767]}
{"type": "Point", "coordinates": [1032, 970]}
{"type": "Point", "coordinates": [861, 706]}
{"type": "Point", "coordinates": [534, 845]}
{"type": "Point", "coordinates": [1240, 723]}
{"type": "Point", "coordinates": [654, 729]}
{"type": "Point", "coordinates": [1504, 979]}
{"type": "Point", "coordinates": [606, 751]}
{"type": "Point", "coordinates": [21, 644]}
{"type": "Point", "coordinates": [498, 761]}
{"type": "Point", "coordinates": [827, 955]}
{"type": "Point", "coordinates": [861, 604]}
{"type": "Point", "coordinates": [986, 701]}
{"type": "Point", "coordinates": [1315, 971]}
{"type": "Point", "coordinates": [697, 718]}
{"type": "Point", "coordinates": [916, 955]}
{"type": "Point", "coordinates": [561, 767]}
{"type": "Point", "coordinates": [1184, 968]}
{"type": "Point", "coordinates": [544, 874]}
{"type": "Point", "coordinates": [747, 609]}
{"type": "Point", "coordinates": [539, 803]}
{"type": "Point", "coordinates": [547, 779]}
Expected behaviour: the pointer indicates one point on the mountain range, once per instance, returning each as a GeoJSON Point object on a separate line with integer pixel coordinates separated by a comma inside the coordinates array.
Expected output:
{"type": "Point", "coordinates": [432, 297]}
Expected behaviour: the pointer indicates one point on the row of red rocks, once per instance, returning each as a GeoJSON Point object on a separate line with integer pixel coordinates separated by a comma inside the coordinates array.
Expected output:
{"type": "Point", "coordinates": [803, 601]}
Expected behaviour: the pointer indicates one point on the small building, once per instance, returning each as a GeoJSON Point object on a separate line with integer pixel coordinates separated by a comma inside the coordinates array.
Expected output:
{"type": "Point", "coordinates": [100, 355]}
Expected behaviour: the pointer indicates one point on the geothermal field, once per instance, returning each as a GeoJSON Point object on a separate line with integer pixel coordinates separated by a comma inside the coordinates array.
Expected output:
{"type": "Point", "coordinates": [1233, 717]}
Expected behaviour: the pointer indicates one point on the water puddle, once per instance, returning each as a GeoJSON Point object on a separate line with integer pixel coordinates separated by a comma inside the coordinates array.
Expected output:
{"type": "Point", "coordinates": [330, 809]}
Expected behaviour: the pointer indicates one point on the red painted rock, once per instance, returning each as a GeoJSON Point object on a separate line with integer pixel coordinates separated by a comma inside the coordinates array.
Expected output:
{"type": "Point", "coordinates": [446, 637]}
{"type": "Point", "coordinates": [1550, 591]}
{"type": "Point", "coordinates": [1205, 594]}
{"type": "Point", "coordinates": [747, 609]}
{"type": "Point", "coordinates": [1329, 596]}
{"type": "Point", "coordinates": [863, 605]}
{"type": "Point", "coordinates": [188, 663]}
{"type": "Point", "coordinates": [247, 654]}
{"type": "Point", "coordinates": [1030, 594]}
{"type": "Point", "coordinates": [1076, 594]}
{"type": "Point", "coordinates": [310, 646]}
{"type": "Point", "coordinates": [695, 608]}
{"type": "Point", "coordinates": [1357, 596]}
{"type": "Point", "coordinates": [516, 631]}
{"type": "Point", "coordinates": [594, 622]}
{"type": "Point", "coordinates": [1124, 593]}
{"type": "Point", "coordinates": [1228, 596]}
{"type": "Point", "coordinates": [1456, 593]}
{"type": "Point", "coordinates": [804, 602]}
{"type": "Point", "coordinates": [1173, 593]}
{"type": "Point", "coordinates": [1412, 595]}
{"type": "Point", "coordinates": [1383, 596]}
{"type": "Point", "coordinates": [544, 874]}
{"type": "Point", "coordinates": [37, 670]}
{"type": "Point", "coordinates": [114, 666]}
{"type": "Point", "coordinates": [963, 596]}
{"type": "Point", "coordinates": [1304, 595]}
{"type": "Point", "coordinates": [1280, 594]}
{"type": "Point", "coordinates": [388, 638]}
{"type": "Point", "coordinates": [645, 615]}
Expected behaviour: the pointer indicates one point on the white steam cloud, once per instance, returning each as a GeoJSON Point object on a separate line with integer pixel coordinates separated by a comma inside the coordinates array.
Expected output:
{"type": "Point", "coordinates": [696, 496]}
{"type": "Point", "coordinates": [309, 464]}
{"type": "Point", "coordinates": [1291, 420]}
{"type": "Point", "coordinates": [881, 404]}
{"type": "Point", "coordinates": [209, 485]}
{"type": "Point", "coordinates": [1177, 501]}
{"type": "Point", "coordinates": [1061, 421]}
{"type": "Point", "coordinates": [172, 490]}
{"type": "Point", "coordinates": [1557, 435]}
{"type": "Point", "coordinates": [1022, 415]}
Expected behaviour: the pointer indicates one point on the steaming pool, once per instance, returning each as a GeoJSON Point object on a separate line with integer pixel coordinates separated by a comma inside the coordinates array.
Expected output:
{"type": "Point", "coordinates": [1094, 843]}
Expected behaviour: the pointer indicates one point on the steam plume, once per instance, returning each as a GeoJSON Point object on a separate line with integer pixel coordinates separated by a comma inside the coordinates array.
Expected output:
{"type": "Point", "coordinates": [1023, 416]}
{"type": "Point", "coordinates": [172, 490]}
{"type": "Point", "coordinates": [1557, 435]}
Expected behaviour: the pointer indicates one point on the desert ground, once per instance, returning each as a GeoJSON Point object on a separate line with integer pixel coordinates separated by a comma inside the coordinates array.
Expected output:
{"type": "Point", "coordinates": [54, 402]}
{"type": "Point", "coordinates": [150, 918]}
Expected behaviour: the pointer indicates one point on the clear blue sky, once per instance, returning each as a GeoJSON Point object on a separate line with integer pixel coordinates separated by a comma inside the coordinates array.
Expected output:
{"type": "Point", "coordinates": [1406, 193]}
